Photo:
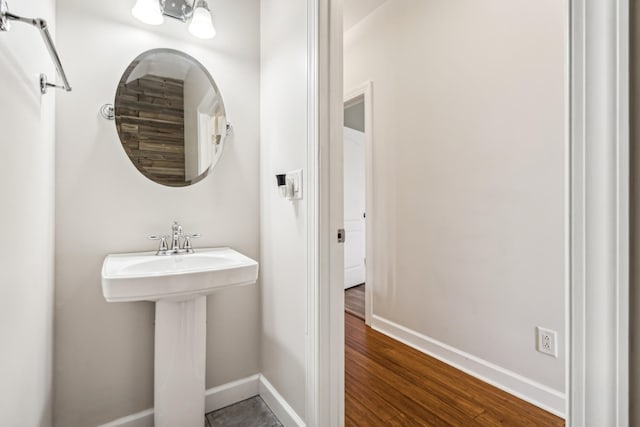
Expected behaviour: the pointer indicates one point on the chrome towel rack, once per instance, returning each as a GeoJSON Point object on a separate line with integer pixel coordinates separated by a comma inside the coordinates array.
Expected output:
{"type": "Point", "coordinates": [41, 25]}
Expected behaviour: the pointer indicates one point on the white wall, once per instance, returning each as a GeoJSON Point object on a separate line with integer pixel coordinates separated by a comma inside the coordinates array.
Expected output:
{"type": "Point", "coordinates": [26, 191]}
{"type": "Point", "coordinates": [283, 225]}
{"type": "Point", "coordinates": [469, 173]}
{"type": "Point", "coordinates": [354, 116]}
{"type": "Point", "coordinates": [104, 351]}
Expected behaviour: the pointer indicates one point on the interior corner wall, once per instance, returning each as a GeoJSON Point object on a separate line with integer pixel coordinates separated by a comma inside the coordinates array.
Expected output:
{"type": "Point", "coordinates": [283, 224]}
{"type": "Point", "coordinates": [104, 352]}
{"type": "Point", "coordinates": [26, 191]}
{"type": "Point", "coordinates": [354, 116]}
{"type": "Point", "coordinates": [469, 173]}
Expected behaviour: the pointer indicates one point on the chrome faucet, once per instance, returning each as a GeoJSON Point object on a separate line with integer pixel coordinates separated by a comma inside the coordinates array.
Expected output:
{"type": "Point", "coordinates": [176, 231]}
{"type": "Point", "coordinates": [176, 235]}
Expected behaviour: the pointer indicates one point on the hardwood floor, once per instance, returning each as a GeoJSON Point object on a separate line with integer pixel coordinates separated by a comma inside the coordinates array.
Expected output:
{"type": "Point", "coordinates": [390, 384]}
{"type": "Point", "coordinates": [354, 301]}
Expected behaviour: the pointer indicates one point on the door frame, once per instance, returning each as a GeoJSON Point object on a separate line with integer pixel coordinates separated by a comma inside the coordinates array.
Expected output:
{"type": "Point", "coordinates": [365, 91]}
{"type": "Point", "coordinates": [597, 260]}
{"type": "Point", "coordinates": [598, 295]}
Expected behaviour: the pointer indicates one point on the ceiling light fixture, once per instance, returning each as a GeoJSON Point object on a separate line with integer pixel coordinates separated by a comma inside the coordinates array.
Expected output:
{"type": "Point", "coordinates": [148, 11]}
{"type": "Point", "coordinates": [153, 12]}
{"type": "Point", "coordinates": [201, 24]}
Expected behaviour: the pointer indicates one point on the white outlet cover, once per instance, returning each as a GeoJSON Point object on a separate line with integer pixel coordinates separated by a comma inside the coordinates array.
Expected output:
{"type": "Point", "coordinates": [547, 341]}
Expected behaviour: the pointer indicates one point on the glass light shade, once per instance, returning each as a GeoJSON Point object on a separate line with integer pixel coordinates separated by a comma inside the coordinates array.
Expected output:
{"type": "Point", "coordinates": [201, 24]}
{"type": "Point", "coordinates": [148, 11]}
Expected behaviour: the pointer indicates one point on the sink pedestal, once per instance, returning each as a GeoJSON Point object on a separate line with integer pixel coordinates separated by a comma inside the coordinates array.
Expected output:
{"type": "Point", "coordinates": [178, 284]}
{"type": "Point", "coordinates": [180, 347]}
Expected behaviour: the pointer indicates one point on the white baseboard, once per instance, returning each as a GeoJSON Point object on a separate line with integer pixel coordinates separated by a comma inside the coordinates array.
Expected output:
{"type": "Point", "coordinates": [215, 398]}
{"type": "Point", "coordinates": [225, 395]}
{"type": "Point", "coordinates": [525, 388]}
{"type": "Point", "coordinates": [140, 419]}
{"type": "Point", "coordinates": [278, 405]}
{"type": "Point", "coordinates": [230, 393]}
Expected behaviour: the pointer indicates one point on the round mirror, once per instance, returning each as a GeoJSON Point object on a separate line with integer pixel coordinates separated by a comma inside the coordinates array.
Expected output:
{"type": "Point", "coordinates": [170, 117]}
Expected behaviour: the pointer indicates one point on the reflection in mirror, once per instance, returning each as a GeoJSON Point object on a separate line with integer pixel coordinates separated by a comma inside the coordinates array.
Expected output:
{"type": "Point", "coordinates": [170, 117]}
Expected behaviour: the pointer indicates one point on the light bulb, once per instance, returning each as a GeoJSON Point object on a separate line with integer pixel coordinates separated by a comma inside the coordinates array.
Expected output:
{"type": "Point", "coordinates": [148, 11]}
{"type": "Point", "coordinates": [201, 24]}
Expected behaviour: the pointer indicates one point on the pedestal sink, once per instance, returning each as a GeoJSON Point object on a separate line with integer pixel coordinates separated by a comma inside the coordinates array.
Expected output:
{"type": "Point", "coordinates": [178, 284]}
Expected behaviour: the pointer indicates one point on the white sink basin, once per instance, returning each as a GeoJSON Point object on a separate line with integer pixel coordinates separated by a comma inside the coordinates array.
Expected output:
{"type": "Point", "coordinates": [178, 284]}
{"type": "Point", "coordinates": [144, 276]}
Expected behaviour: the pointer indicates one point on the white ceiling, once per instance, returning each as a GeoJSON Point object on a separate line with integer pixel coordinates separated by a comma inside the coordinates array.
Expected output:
{"type": "Point", "coordinates": [357, 10]}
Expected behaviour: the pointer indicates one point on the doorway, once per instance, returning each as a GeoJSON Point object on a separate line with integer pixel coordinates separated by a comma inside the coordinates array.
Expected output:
{"type": "Point", "coordinates": [588, 157]}
{"type": "Point", "coordinates": [358, 201]}
{"type": "Point", "coordinates": [454, 190]}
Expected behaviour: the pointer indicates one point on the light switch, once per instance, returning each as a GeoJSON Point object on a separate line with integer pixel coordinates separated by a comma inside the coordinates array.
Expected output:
{"type": "Point", "coordinates": [294, 183]}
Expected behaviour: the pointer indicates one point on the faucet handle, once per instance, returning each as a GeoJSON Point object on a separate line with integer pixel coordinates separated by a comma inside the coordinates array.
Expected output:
{"type": "Point", "coordinates": [164, 246]}
{"type": "Point", "coordinates": [187, 242]}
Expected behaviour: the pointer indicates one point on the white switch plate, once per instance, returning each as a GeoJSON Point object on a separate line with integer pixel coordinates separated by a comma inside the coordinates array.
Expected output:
{"type": "Point", "coordinates": [547, 341]}
{"type": "Point", "coordinates": [294, 178]}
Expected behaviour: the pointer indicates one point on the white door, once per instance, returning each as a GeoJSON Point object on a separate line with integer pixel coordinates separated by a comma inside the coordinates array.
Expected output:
{"type": "Point", "coordinates": [354, 207]}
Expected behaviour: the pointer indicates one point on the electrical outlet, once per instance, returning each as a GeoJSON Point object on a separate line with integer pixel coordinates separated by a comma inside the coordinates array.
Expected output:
{"type": "Point", "coordinates": [547, 341]}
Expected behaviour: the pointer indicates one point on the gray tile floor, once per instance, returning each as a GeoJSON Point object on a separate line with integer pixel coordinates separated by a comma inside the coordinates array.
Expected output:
{"type": "Point", "coordinates": [252, 412]}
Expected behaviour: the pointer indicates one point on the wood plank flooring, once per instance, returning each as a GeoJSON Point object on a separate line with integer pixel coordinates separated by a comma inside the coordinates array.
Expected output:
{"type": "Point", "coordinates": [390, 384]}
{"type": "Point", "coordinates": [354, 301]}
